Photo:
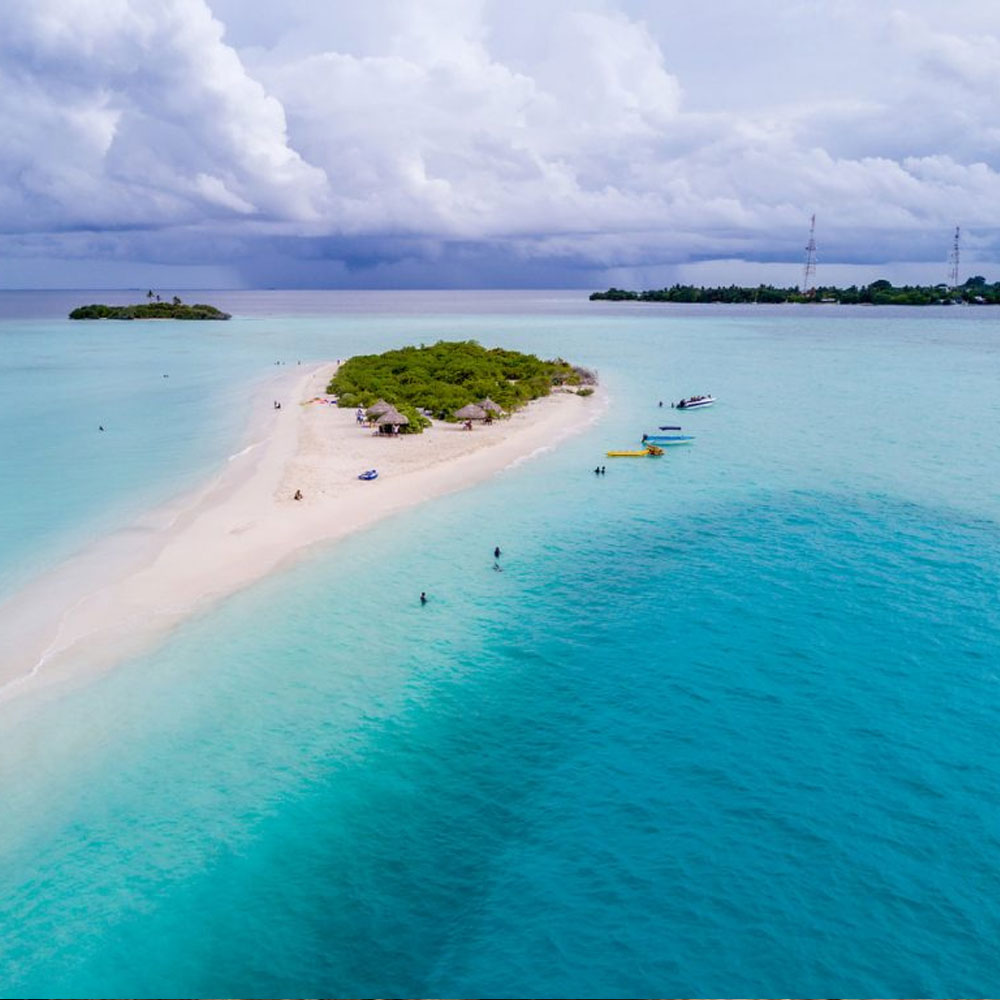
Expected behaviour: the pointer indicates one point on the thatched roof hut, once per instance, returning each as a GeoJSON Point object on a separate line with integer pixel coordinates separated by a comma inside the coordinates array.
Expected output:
{"type": "Point", "coordinates": [378, 408]}
{"type": "Point", "coordinates": [390, 421]}
{"type": "Point", "coordinates": [471, 411]}
{"type": "Point", "coordinates": [488, 404]}
{"type": "Point", "coordinates": [392, 416]}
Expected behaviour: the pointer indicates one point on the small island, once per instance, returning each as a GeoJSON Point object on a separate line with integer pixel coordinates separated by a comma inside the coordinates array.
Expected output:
{"type": "Point", "coordinates": [154, 308]}
{"type": "Point", "coordinates": [438, 381]}
{"type": "Point", "coordinates": [974, 292]}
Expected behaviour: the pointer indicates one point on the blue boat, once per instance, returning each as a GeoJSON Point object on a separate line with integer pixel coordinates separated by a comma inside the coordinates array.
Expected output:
{"type": "Point", "coordinates": [370, 474]}
{"type": "Point", "coordinates": [666, 439]}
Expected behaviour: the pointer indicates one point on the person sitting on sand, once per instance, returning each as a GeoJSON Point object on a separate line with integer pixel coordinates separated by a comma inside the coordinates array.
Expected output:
{"type": "Point", "coordinates": [298, 495]}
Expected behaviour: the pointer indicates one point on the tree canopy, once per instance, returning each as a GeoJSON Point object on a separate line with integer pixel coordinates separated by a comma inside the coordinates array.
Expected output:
{"type": "Point", "coordinates": [445, 376]}
{"type": "Point", "coordinates": [150, 310]}
{"type": "Point", "coordinates": [975, 291]}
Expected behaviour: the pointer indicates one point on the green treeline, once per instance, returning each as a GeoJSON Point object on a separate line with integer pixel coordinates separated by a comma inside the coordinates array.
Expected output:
{"type": "Point", "coordinates": [975, 291]}
{"type": "Point", "coordinates": [150, 310]}
{"type": "Point", "coordinates": [446, 376]}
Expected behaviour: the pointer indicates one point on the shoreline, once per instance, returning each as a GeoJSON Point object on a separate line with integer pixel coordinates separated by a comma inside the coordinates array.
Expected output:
{"type": "Point", "coordinates": [127, 590]}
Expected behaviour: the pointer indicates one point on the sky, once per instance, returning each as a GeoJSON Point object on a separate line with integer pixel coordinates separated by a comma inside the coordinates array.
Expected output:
{"type": "Point", "coordinates": [496, 143]}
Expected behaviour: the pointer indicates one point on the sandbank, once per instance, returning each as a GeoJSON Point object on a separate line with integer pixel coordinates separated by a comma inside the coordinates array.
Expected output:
{"type": "Point", "coordinates": [125, 591]}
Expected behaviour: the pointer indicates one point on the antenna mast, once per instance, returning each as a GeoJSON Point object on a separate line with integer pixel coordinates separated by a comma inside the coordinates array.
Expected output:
{"type": "Point", "coordinates": [953, 262]}
{"type": "Point", "coordinates": [809, 271]}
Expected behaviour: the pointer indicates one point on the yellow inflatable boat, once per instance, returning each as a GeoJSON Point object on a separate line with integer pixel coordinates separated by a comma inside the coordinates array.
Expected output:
{"type": "Point", "coordinates": [649, 452]}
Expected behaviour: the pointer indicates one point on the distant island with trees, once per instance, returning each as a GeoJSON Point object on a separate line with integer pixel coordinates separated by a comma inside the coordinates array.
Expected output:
{"type": "Point", "coordinates": [975, 291]}
{"type": "Point", "coordinates": [153, 308]}
{"type": "Point", "coordinates": [436, 381]}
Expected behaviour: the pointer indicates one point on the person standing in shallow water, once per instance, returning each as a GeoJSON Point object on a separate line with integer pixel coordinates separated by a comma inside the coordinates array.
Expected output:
{"type": "Point", "coordinates": [496, 552]}
{"type": "Point", "coordinates": [423, 597]}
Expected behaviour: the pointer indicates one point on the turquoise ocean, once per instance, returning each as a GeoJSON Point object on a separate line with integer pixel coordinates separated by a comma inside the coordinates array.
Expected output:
{"type": "Point", "coordinates": [728, 723]}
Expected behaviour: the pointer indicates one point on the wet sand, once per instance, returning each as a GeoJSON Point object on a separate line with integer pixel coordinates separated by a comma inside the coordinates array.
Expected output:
{"type": "Point", "coordinates": [128, 589]}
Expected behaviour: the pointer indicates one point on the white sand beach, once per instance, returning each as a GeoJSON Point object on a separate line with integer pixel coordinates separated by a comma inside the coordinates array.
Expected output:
{"type": "Point", "coordinates": [126, 590]}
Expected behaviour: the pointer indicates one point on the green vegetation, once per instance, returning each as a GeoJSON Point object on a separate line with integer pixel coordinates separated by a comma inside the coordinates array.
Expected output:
{"type": "Point", "coordinates": [975, 291]}
{"type": "Point", "coordinates": [446, 376]}
{"type": "Point", "coordinates": [153, 309]}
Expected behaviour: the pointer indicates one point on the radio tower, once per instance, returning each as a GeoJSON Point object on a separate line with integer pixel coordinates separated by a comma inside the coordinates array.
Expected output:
{"type": "Point", "coordinates": [953, 262]}
{"type": "Point", "coordinates": [809, 271]}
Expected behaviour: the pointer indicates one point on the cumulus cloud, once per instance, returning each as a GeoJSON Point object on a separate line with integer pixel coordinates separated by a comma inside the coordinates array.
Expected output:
{"type": "Point", "coordinates": [437, 134]}
{"type": "Point", "coordinates": [590, 133]}
{"type": "Point", "coordinates": [132, 113]}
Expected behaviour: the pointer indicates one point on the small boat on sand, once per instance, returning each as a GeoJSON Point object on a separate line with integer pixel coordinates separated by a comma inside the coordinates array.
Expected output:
{"type": "Point", "coordinates": [651, 451]}
{"type": "Point", "coordinates": [695, 402]}
{"type": "Point", "coordinates": [369, 474]}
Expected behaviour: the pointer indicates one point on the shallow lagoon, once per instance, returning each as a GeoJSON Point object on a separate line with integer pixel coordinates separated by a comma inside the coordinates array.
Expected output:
{"type": "Point", "coordinates": [725, 724]}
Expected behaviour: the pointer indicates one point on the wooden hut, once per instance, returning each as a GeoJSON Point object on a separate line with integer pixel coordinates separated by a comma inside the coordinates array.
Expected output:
{"type": "Point", "coordinates": [390, 421]}
{"type": "Point", "coordinates": [471, 411]}
{"type": "Point", "coordinates": [492, 409]}
{"type": "Point", "coordinates": [377, 409]}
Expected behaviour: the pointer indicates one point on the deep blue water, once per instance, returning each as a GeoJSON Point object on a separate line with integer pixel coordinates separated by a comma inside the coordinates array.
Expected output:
{"type": "Point", "coordinates": [724, 726]}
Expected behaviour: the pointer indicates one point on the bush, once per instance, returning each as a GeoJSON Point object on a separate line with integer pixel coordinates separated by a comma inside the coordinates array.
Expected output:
{"type": "Point", "coordinates": [446, 376]}
{"type": "Point", "coordinates": [149, 310]}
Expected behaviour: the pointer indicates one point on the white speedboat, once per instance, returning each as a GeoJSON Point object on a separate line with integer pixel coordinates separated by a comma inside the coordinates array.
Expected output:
{"type": "Point", "coordinates": [695, 402]}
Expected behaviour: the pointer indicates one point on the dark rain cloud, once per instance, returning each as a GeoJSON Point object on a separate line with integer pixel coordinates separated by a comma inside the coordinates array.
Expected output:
{"type": "Point", "coordinates": [442, 142]}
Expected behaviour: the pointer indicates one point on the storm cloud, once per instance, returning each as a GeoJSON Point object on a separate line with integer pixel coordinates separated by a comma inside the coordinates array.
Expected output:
{"type": "Point", "coordinates": [454, 142]}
